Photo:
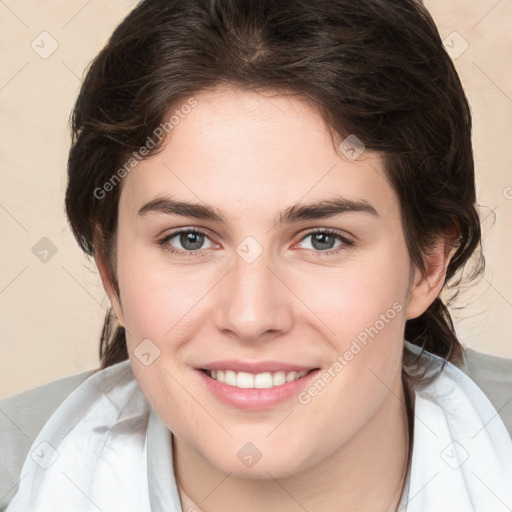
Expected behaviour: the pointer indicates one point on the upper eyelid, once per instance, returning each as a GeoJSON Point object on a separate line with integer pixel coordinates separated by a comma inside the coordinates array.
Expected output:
{"type": "Point", "coordinates": [180, 231]}
{"type": "Point", "coordinates": [339, 232]}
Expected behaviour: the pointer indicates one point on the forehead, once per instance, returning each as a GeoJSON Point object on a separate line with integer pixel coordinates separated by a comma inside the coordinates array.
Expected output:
{"type": "Point", "coordinates": [255, 150]}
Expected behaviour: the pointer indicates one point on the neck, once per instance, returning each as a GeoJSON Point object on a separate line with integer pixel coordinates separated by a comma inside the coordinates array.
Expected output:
{"type": "Point", "coordinates": [367, 473]}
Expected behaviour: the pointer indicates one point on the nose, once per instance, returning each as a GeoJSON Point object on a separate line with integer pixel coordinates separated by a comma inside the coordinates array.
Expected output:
{"type": "Point", "coordinates": [254, 303]}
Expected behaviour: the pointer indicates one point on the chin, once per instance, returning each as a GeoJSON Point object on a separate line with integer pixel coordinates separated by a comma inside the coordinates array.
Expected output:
{"type": "Point", "coordinates": [250, 463]}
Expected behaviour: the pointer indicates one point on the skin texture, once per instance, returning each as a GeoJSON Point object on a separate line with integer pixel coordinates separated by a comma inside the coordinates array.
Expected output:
{"type": "Point", "coordinates": [252, 155]}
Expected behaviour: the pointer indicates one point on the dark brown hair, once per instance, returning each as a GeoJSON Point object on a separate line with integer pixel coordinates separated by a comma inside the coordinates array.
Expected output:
{"type": "Point", "coordinates": [373, 68]}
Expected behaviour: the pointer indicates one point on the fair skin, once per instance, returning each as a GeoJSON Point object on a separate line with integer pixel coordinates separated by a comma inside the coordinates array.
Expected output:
{"type": "Point", "coordinates": [251, 156]}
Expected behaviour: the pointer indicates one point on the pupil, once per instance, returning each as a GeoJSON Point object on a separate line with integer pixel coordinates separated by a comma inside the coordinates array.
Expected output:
{"type": "Point", "coordinates": [323, 241]}
{"type": "Point", "coordinates": [191, 241]}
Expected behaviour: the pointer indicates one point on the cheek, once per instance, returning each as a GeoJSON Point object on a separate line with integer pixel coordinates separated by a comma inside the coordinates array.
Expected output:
{"type": "Point", "coordinates": [159, 301]}
{"type": "Point", "coordinates": [360, 308]}
{"type": "Point", "coordinates": [355, 296]}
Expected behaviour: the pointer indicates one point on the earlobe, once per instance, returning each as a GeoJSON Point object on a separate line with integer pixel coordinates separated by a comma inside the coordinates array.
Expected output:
{"type": "Point", "coordinates": [426, 286]}
{"type": "Point", "coordinates": [106, 280]}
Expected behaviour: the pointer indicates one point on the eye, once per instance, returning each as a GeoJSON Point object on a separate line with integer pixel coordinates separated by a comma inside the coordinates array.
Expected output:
{"type": "Point", "coordinates": [191, 242]}
{"type": "Point", "coordinates": [326, 241]}
{"type": "Point", "coordinates": [186, 241]}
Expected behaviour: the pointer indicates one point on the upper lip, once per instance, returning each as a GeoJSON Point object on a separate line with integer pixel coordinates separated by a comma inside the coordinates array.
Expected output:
{"type": "Point", "coordinates": [254, 366]}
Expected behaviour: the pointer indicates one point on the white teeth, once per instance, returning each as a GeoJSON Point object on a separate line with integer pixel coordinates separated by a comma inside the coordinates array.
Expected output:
{"type": "Point", "coordinates": [279, 378]}
{"type": "Point", "coordinates": [230, 377]}
{"type": "Point", "coordinates": [242, 380]}
{"type": "Point", "coordinates": [263, 380]}
{"type": "Point", "coordinates": [260, 381]}
{"type": "Point", "coordinates": [291, 376]}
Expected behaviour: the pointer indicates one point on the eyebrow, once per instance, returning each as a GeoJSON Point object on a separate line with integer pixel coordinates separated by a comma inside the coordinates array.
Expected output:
{"type": "Point", "coordinates": [319, 210]}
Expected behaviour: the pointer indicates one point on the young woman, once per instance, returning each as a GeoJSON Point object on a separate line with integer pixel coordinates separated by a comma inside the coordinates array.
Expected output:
{"type": "Point", "coordinates": [275, 195]}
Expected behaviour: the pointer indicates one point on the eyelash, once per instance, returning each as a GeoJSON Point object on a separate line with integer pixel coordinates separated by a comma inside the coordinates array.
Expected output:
{"type": "Point", "coordinates": [164, 242]}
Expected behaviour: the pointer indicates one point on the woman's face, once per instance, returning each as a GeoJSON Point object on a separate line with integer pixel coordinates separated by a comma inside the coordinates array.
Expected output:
{"type": "Point", "coordinates": [255, 289]}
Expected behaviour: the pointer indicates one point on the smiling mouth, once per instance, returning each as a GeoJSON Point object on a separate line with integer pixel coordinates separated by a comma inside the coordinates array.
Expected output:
{"type": "Point", "coordinates": [265, 380]}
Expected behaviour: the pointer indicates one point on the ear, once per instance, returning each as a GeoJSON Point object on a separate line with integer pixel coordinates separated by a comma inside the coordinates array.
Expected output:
{"type": "Point", "coordinates": [106, 279]}
{"type": "Point", "coordinates": [426, 286]}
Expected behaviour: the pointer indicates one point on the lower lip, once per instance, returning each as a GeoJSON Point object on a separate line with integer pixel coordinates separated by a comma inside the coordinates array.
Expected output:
{"type": "Point", "coordinates": [256, 399]}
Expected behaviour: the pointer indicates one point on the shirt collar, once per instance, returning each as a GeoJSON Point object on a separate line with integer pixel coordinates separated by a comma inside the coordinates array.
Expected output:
{"type": "Point", "coordinates": [163, 490]}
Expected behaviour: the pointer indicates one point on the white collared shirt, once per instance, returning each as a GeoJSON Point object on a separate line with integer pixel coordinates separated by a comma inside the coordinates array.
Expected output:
{"type": "Point", "coordinates": [105, 448]}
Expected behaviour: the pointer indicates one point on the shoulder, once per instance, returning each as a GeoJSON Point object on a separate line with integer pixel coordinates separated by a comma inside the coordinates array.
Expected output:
{"type": "Point", "coordinates": [21, 418]}
{"type": "Point", "coordinates": [493, 375]}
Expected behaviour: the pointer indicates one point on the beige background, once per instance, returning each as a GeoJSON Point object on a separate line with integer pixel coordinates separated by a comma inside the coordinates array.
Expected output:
{"type": "Point", "coordinates": [51, 312]}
